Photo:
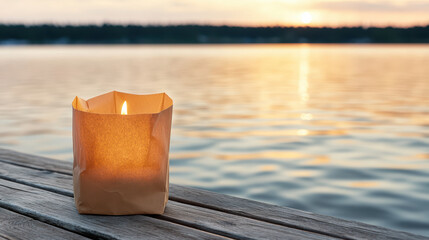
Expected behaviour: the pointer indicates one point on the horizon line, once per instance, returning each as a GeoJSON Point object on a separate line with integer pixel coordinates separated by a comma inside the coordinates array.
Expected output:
{"type": "Point", "coordinates": [208, 25]}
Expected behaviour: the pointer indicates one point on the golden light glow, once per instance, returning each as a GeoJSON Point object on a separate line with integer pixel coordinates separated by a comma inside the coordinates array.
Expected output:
{"type": "Point", "coordinates": [268, 168]}
{"type": "Point", "coordinates": [124, 110]}
{"type": "Point", "coordinates": [303, 75]}
{"type": "Point", "coordinates": [258, 155]}
{"type": "Point", "coordinates": [306, 116]}
{"type": "Point", "coordinates": [302, 173]}
{"type": "Point", "coordinates": [302, 132]}
{"type": "Point", "coordinates": [306, 18]}
{"type": "Point", "coordinates": [320, 160]}
{"type": "Point", "coordinates": [363, 184]}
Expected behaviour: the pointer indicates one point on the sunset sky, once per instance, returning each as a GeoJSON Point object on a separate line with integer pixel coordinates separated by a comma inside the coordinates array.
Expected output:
{"type": "Point", "coordinates": [233, 12]}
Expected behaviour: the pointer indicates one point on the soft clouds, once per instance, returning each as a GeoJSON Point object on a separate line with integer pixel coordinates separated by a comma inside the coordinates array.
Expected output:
{"type": "Point", "coordinates": [374, 6]}
{"type": "Point", "coordinates": [237, 12]}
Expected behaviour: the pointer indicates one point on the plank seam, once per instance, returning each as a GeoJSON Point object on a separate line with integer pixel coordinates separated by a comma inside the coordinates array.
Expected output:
{"type": "Point", "coordinates": [4, 237]}
{"type": "Point", "coordinates": [254, 217]}
{"type": "Point", "coordinates": [63, 168]}
{"type": "Point", "coordinates": [47, 188]}
{"type": "Point", "coordinates": [30, 218]}
{"type": "Point", "coordinates": [206, 229]}
{"type": "Point", "coordinates": [172, 220]}
{"type": "Point", "coordinates": [17, 189]}
{"type": "Point", "coordinates": [184, 201]}
{"type": "Point", "coordinates": [49, 220]}
{"type": "Point", "coordinates": [35, 168]}
{"type": "Point", "coordinates": [35, 216]}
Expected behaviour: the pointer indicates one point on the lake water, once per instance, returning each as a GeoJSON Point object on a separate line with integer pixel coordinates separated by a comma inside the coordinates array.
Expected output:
{"type": "Point", "coordinates": [341, 130]}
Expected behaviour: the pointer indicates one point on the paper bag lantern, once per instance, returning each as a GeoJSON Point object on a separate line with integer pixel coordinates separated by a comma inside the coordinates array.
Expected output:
{"type": "Point", "coordinates": [121, 161]}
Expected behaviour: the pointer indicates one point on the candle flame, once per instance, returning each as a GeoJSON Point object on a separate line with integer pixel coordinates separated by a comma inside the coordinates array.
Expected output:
{"type": "Point", "coordinates": [124, 110]}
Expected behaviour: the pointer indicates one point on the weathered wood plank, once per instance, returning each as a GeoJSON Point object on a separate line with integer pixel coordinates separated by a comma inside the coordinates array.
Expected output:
{"type": "Point", "coordinates": [233, 226]}
{"type": "Point", "coordinates": [59, 210]}
{"type": "Point", "coordinates": [221, 223]}
{"type": "Point", "coordinates": [288, 217]}
{"type": "Point", "coordinates": [265, 212]}
{"type": "Point", "coordinates": [33, 161]}
{"type": "Point", "coordinates": [17, 226]}
{"type": "Point", "coordinates": [51, 181]}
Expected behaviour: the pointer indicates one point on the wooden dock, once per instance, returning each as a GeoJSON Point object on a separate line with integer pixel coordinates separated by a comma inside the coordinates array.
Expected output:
{"type": "Point", "coordinates": [36, 202]}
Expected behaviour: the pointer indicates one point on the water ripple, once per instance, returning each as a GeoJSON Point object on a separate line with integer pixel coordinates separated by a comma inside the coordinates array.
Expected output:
{"type": "Point", "coordinates": [320, 128]}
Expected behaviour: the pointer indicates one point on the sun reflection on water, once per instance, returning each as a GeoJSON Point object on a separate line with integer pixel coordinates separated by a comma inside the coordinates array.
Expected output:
{"type": "Point", "coordinates": [320, 160]}
{"type": "Point", "coordinates": [306, 116]}
{"type": "Point", "coordinates": [363, 184]}
{"type": "Point", "coordinates": [303, 75]}
{"type": "Point", "coordinates": [302, 132]}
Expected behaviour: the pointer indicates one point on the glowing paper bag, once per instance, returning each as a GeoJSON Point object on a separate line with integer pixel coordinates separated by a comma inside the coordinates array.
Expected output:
{"type": "Point", "coordinates": [121, 163]}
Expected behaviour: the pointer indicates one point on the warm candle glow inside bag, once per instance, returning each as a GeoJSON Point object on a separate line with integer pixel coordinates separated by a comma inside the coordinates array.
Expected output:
{"type": "Point", "coordinates": [121, 145]}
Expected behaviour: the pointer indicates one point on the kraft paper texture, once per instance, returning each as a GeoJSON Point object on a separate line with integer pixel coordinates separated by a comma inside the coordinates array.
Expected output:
{"type": "Point", "coordinates": [121, 163]}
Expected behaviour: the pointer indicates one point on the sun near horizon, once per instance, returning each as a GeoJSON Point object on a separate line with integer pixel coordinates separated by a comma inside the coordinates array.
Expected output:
{"type": "Point", "coordinates": [306, 18]}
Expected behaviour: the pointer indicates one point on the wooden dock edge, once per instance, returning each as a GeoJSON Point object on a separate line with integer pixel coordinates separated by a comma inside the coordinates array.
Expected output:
{"type": "Point", "coordinates": [20, 168]}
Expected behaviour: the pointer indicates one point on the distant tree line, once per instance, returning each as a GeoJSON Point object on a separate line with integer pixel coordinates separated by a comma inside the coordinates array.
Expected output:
{"type": "Point", "coordinates": [137, 34]}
